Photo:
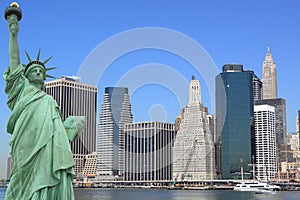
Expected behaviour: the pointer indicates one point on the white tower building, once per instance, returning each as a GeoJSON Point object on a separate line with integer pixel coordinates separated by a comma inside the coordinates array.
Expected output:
{"type": "Point", "coordinates": [115, 112]}
{"type": "Point", "coordinates": [265, 141]}
{"type": "Point", "coordinates": [194, 147]}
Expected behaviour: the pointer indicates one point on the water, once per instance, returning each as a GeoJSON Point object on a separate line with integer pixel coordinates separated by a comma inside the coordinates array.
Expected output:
{"type": "Point", "coordinates": [156, 194]}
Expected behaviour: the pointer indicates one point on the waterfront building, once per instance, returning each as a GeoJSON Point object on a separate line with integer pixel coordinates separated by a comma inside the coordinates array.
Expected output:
{"type": "Point", "coordinates": [280, 124]}
{"type": "Point", "coordinates": [265, 141]}
{"type": "Point", "coordinates": [115, 112]}
{"type": "Point", "coordinates": [77, 99]}
{"type": "Point", "coordinates": [194, 152]}
{"type": "Point", "coordinates": [235, 134]}
{"type": "Point", "coordinates": [148, 151]}
{"type": "Point", "coordinates": [269, 79]}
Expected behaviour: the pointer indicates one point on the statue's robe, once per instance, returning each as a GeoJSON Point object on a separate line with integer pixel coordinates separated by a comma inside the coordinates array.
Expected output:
{"type": "Point", "coordinates": [41, 154]}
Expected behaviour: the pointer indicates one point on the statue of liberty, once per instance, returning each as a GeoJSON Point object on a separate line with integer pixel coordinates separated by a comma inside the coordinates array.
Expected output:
{"type": "Point", "coordinates": [41, 155]}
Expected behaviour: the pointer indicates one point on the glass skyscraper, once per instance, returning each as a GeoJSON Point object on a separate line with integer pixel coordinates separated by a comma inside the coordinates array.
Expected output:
{"type": "Point", "coordinates": [115, 112]}
{"type": "Point", "coordinates": [235, 136]}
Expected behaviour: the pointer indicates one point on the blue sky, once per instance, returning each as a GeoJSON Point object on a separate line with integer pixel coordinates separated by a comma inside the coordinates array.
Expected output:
{"type": "Point", "coordinates": [228, 32]}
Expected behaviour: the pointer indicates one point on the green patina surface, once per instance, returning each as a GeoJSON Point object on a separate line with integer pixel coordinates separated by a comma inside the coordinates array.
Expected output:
{"type": "Point", "coordinates": [41, 153]}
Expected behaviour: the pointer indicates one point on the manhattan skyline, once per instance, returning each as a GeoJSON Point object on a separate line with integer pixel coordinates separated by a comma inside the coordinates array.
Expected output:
{"type": "Point", "coordinates": [230, 32]}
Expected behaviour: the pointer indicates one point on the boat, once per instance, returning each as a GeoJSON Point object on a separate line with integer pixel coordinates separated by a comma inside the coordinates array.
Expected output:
{"type": "Point", "coordinates": [196, 187]}
{"type": "Point", "coordinates": [255, 187]}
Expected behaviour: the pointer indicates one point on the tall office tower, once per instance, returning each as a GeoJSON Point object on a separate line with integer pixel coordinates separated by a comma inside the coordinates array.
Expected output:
{"type": "Point", "coordinates": [235, 134]}
{"type": "Point", "coordinates": [148, 151]}
{"type": "Point", "coordinates": [265, 141]}
{"type": "Point", "coordinates": [269, 88]}
{"type": "Point", "coordinates": [115, 112]}
{"type": "Point", "coordinates": [9, 167]}
{"type": "Point", "coordinates": [280, 124]}
{"type": "Point", "coordinates": [257, 87]}
{"type": "Point", "coordinates": [77, 99]}
{"type": "Point", "coordinates": [194, 153]}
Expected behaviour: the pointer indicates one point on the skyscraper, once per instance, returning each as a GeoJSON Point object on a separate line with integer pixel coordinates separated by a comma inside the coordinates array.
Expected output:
{"type": "Point", "coordinates": [280, 124]}
{"type": "Point", "coordinates": [257, 87]}
{"type": "Point", "coordinates": [235, 136]}
{"type": "Point", "coordinates": [115, 112]}
{"type": "Point", "coordinates": [265, 141]}
{"type": "Point", "coordinates": [77, 99]}
{"type": "Point", "coordinates": [269, 88]}
{"type": "Point", "coordinates": [148, 151]}
{"type": "Point", "coordinates": [194, 154]}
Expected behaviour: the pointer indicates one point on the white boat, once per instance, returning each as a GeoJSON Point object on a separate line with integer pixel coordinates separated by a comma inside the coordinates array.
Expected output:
{"type": "Point", "coordinates": [255, 187]}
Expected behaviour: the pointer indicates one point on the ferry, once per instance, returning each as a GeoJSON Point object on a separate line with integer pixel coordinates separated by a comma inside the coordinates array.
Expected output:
{"type": "Point", "coordinates": [255, 187]}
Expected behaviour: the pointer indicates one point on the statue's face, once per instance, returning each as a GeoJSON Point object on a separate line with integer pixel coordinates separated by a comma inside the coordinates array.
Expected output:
{"type": "Point", "coordinates": [36, 74]}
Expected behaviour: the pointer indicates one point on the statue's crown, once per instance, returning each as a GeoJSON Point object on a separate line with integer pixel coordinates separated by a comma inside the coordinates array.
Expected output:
{"type": "Point", "coordinates": [38, 62]}
{"type": "Point", "coordinates": [35, 62]}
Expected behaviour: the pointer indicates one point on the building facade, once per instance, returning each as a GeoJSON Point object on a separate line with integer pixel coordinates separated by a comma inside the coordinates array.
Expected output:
{"type": "Point", "coordinates": [280, 124]}
{"type": "Point", "coordinates": [269, 79]}
{"type": "Point", "coordinates": [148, 151]}
{"type": "Point", "coordinates": [235, 134]}
{"type": "Point", "coordinates": [77, 99]}
{"type": "Point", "coordinates": [115, 112]}
{"type": "Point", "coordinates": [293, 147]}
{"type": "Point", "coordinates": [265, 141]}
{"type": "Point", "coordinates": [9, 167]}
{"type": "Point", "coordinates": [257, 87]}
{"type": "Point", "coordinates": [90, 166]}
{"type": "Point", "coordinates": [194, 151]}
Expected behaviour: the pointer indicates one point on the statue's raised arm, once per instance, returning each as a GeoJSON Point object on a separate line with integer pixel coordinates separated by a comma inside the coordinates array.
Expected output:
{"type": "Point", "coordinates": [13, 15]}
{"type": "Point", "coordinates": [14, 55]}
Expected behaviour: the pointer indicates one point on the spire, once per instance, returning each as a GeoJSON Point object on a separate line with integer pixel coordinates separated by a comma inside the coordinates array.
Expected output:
{"type": "Point", "coordinates": [195, 91]}
{"type": "Point", "coordinates": [268, 56]}
{"type": "Point", "coordinates": [269, 86]}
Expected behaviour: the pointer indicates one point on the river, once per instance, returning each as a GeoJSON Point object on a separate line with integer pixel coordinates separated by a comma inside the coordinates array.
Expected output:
{"type": "Point", "coordinates": [163, 194]}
